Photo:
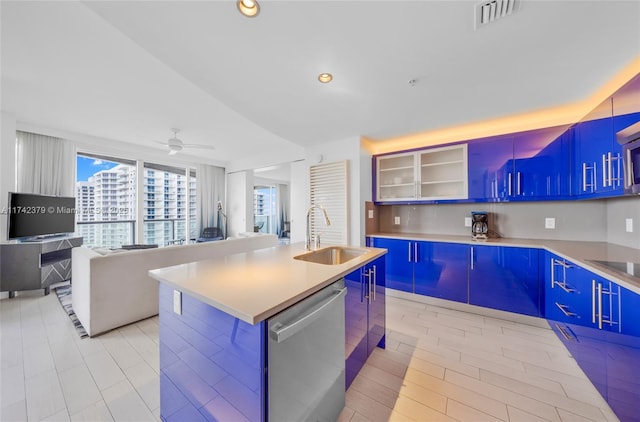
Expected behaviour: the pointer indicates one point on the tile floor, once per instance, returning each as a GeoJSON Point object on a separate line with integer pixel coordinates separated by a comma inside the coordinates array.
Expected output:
{"type": "Point", "coordinates": [440, 364]}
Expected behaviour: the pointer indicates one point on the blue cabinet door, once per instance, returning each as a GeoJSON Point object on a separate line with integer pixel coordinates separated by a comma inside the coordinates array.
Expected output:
{"type": "Point", "coordinates": [504, 278]}
{"type": "Point", "coordinates": [542, 163]}
{"type": "Point", "coordinates": [399, 263]}
{"type": "Point", "coordinates": [490, 163]}
{"type": "Point", "coordinates": [377, 305]}
{"type": "Point", "coordinates": [597, 167]}
{"type": "Point", "coordinates": [442, 271]}
{"type": "Point", "coordinates": [629, 313]}
{"type": "Point", "coordinates": [355, 324]}
{"type": "Point", "coordinates": [569, 292]}
{"type": "Point", "coordinates": [623, 373]}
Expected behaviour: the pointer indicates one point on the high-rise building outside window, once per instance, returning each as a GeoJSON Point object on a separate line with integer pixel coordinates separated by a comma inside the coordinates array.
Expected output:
{"type": "Point", "coordinates": [106, 199]}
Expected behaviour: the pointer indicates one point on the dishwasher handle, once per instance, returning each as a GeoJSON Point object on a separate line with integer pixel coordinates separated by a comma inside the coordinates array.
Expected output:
{"type": "Point", "coordinates": [280, 332]}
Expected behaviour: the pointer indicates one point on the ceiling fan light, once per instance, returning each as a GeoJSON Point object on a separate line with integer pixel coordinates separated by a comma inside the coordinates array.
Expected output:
{"type": "Point", "coordinates": [249, 8]}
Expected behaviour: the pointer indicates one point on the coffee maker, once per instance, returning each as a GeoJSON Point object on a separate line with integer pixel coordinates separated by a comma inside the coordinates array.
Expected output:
{"type": "Point", "coordinates": [479, 225]}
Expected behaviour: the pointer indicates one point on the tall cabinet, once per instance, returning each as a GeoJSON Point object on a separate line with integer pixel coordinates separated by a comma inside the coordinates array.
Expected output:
{"type": "Point", "coordinates": [365, 315]}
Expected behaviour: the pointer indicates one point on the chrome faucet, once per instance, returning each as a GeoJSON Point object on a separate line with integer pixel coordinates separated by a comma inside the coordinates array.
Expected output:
{"type": "Point", "coordinates": [307, 235]}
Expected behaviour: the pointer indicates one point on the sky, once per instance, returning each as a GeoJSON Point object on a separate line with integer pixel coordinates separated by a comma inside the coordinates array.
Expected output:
{"type": "Point", "coordinates": [87, 167]}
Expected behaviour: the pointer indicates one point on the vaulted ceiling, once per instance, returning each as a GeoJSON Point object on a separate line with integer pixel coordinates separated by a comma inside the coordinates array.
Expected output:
{"type": "Point", "coordinates": [130, 71]}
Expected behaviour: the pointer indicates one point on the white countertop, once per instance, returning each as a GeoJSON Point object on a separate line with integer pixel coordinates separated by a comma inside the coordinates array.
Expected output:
{"type": "Point", "coordinates": [578, 252]}
{"type": "Point", "coordinates": [256, 285]}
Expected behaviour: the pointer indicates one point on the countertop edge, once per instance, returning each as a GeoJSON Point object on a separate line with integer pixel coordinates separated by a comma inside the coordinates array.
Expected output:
{"type": "Point", "coordinates": [558, 247]}
{"type": "Point", "coordinates": [163, 275]}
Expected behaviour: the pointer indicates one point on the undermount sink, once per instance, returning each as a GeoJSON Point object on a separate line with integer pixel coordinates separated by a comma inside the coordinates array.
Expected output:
{"type": "Point", "coordinates": [332, 255]}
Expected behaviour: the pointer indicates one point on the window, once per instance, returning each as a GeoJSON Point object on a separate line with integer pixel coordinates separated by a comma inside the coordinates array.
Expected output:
{"type": "Point", "coordinates": [165, 213]}
{"type": "Point", "coordinates": [105, 200]}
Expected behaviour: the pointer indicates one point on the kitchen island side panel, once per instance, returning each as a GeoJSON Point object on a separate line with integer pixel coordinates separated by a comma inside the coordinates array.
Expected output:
{"type": "Point", "coordinates": [211, 363]}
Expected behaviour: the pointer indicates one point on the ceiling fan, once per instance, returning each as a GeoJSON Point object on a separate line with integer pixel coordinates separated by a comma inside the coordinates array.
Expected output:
{"type": "Point", "coordinates": [176, 145]}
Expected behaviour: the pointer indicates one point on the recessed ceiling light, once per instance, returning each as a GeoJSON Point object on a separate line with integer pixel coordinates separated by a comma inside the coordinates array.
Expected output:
{"type": "Point", "coordinates": [325, 78]}
{"type": "Point", "coordinates": [249, 8]}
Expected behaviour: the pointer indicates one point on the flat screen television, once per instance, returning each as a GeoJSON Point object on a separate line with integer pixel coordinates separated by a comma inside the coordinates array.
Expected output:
{"type": "Point", "coordinates": [35, 216]}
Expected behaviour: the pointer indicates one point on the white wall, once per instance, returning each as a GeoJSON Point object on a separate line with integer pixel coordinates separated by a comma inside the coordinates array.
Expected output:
{"type": "Point", "coordinates": [7, 166]}
{"type": "Point", "coordinates": [359, 186]}
{"type": "Point", "coordinates": [240, 202]}
{"type": "Point", "coordinates": [299, 199]}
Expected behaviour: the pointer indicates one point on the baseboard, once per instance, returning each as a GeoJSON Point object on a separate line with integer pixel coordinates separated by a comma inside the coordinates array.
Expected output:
{"type": "Point", "coordinates": [473, 309]}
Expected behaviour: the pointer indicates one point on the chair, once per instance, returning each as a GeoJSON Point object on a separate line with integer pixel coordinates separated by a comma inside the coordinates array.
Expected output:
{"type": "Point", "coordinates": [210, 234]}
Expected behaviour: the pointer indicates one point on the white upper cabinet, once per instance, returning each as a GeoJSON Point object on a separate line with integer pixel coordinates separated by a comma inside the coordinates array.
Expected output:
{"type": "Point", "coordinates": [425, 175]}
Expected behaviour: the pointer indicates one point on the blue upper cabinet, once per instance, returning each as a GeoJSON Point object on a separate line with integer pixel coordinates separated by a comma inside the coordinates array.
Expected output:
{"type": "Point", "coordinates": [541, 164]}
{"type": "Point", "coordinates": [597, 156]}
{"type": "Point", "coordinates": [490, 161]}
{"type": "Point", "coordinates": [531, 165]}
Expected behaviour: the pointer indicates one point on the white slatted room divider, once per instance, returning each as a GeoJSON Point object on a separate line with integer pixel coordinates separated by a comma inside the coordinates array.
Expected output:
{"type": "Point", "coordinates": [328, 187]}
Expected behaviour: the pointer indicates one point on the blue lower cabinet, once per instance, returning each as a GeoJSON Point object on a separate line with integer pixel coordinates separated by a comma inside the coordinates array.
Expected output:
{"type": "Point", "coordinates": [211, 364]}
{"type": "Point", "coordinates": [399, 262]}
{"type": "Point", "coordinates": [355, 325]}
{"type": "Point", "coordinates": [377, 306]}
{"type": "Point", "coordinates": [442, 271]}
{"type": "Point", "coordinates": [597, 320]}
{"type": "Point", "coordinates": [568, 292]}
{"type": "Point", "coordinates": [365, 315]}
{"type": "Point", "coordinates": [629, 313]}
{"type": "Point", "coordinates": [505, 278]}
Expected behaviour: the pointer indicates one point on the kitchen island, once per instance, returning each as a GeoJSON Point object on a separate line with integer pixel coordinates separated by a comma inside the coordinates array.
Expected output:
{"type": "Point", "coordinates": [214, 327]}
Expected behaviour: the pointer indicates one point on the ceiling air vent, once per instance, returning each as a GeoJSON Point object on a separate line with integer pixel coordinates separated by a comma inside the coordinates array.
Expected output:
{"type": "Point", "coordinates": [490, 11]}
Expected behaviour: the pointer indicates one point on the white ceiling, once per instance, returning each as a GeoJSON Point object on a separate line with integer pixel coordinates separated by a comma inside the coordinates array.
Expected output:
{"type": "Point", "coordinates": [129, 71]}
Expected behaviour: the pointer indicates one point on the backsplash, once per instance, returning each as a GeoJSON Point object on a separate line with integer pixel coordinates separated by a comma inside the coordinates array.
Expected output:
{"type": "Point", "coordinates": [593, 220]}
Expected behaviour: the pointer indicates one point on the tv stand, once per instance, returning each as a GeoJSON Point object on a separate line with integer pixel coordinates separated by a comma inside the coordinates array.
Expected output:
{"type": "Point", "coordinates": [36, 264]}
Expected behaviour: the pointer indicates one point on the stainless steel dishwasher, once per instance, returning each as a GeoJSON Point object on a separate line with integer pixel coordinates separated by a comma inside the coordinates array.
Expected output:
{"type": "Point", "coordinates": [306, 358]}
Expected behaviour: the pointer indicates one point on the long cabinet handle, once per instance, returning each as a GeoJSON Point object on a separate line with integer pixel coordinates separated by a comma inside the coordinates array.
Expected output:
{"type": "Point", "coordinates": [509, 183]}
{"type": "Point", "coordinates": [610, 166]}
{"type": "Point", "coordinates": [584, 177]}
{"type": "Point", "coordinates": [604, 170]}
{"type": "Point", "coordinates": [409, 250]}
{"type": "Point", "coordinates": [375, 281]}
{"type": "Point", "coordinates": [565, 311]}
{"type": "Point", "coordinates": [593, 301]}
{"type": "Point", "coordinates": [518, 181]}
{"type": "Point", "coordinates": [415, 252]}
{"type": "Point", "coordinates": [472, 257]}
{"type": "Point", "coordinates": [594, 178]}
{"type": "Point", "coordinates": [599, 306]}
{"type": "Point", "coordinates": [628, 180]}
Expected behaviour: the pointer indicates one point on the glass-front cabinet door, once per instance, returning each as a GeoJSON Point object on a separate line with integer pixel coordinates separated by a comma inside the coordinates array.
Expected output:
{"type": "Point", "coordinates": [397, 178]}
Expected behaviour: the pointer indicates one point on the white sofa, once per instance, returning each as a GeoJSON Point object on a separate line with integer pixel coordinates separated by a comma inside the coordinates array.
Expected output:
{"type": "Point", "coordinates": [112, 290]}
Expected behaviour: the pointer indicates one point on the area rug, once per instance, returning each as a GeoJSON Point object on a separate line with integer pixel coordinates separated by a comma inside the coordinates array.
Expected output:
{"type": "Point", "coordinates": [64, 296]}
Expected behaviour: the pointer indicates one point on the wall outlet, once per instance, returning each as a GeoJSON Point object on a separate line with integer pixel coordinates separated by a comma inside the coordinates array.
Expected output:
{"type": "Point", "coordinates": [467, 221]}
{"type": "Point", "coordinates": [549, 223]}
{"type": "Point", "coordinates": [370, 213]}
{"type": "Point", "coordinates": [629, 225]}
{"type": "Point", "coordinates": [396, 221]}
{"type": "Point", "coordinates": [177, 302]}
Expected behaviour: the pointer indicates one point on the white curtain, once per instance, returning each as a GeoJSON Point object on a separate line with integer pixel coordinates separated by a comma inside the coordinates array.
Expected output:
{"type": "Point", "coordinates": [210, 190]}
{"type": "Point", "coordinates": [45, 165]}
{"type": "Point", "coordinates": [282, 208]}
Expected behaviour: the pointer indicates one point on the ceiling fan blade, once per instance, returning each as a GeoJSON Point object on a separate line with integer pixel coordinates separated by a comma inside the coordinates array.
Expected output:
{"type": "Point", "coordinates": [199, 146]}
{"type": "Point", "coordinates": [161, 143]}
{"type": "Point", "coordinates": [173, 152]}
